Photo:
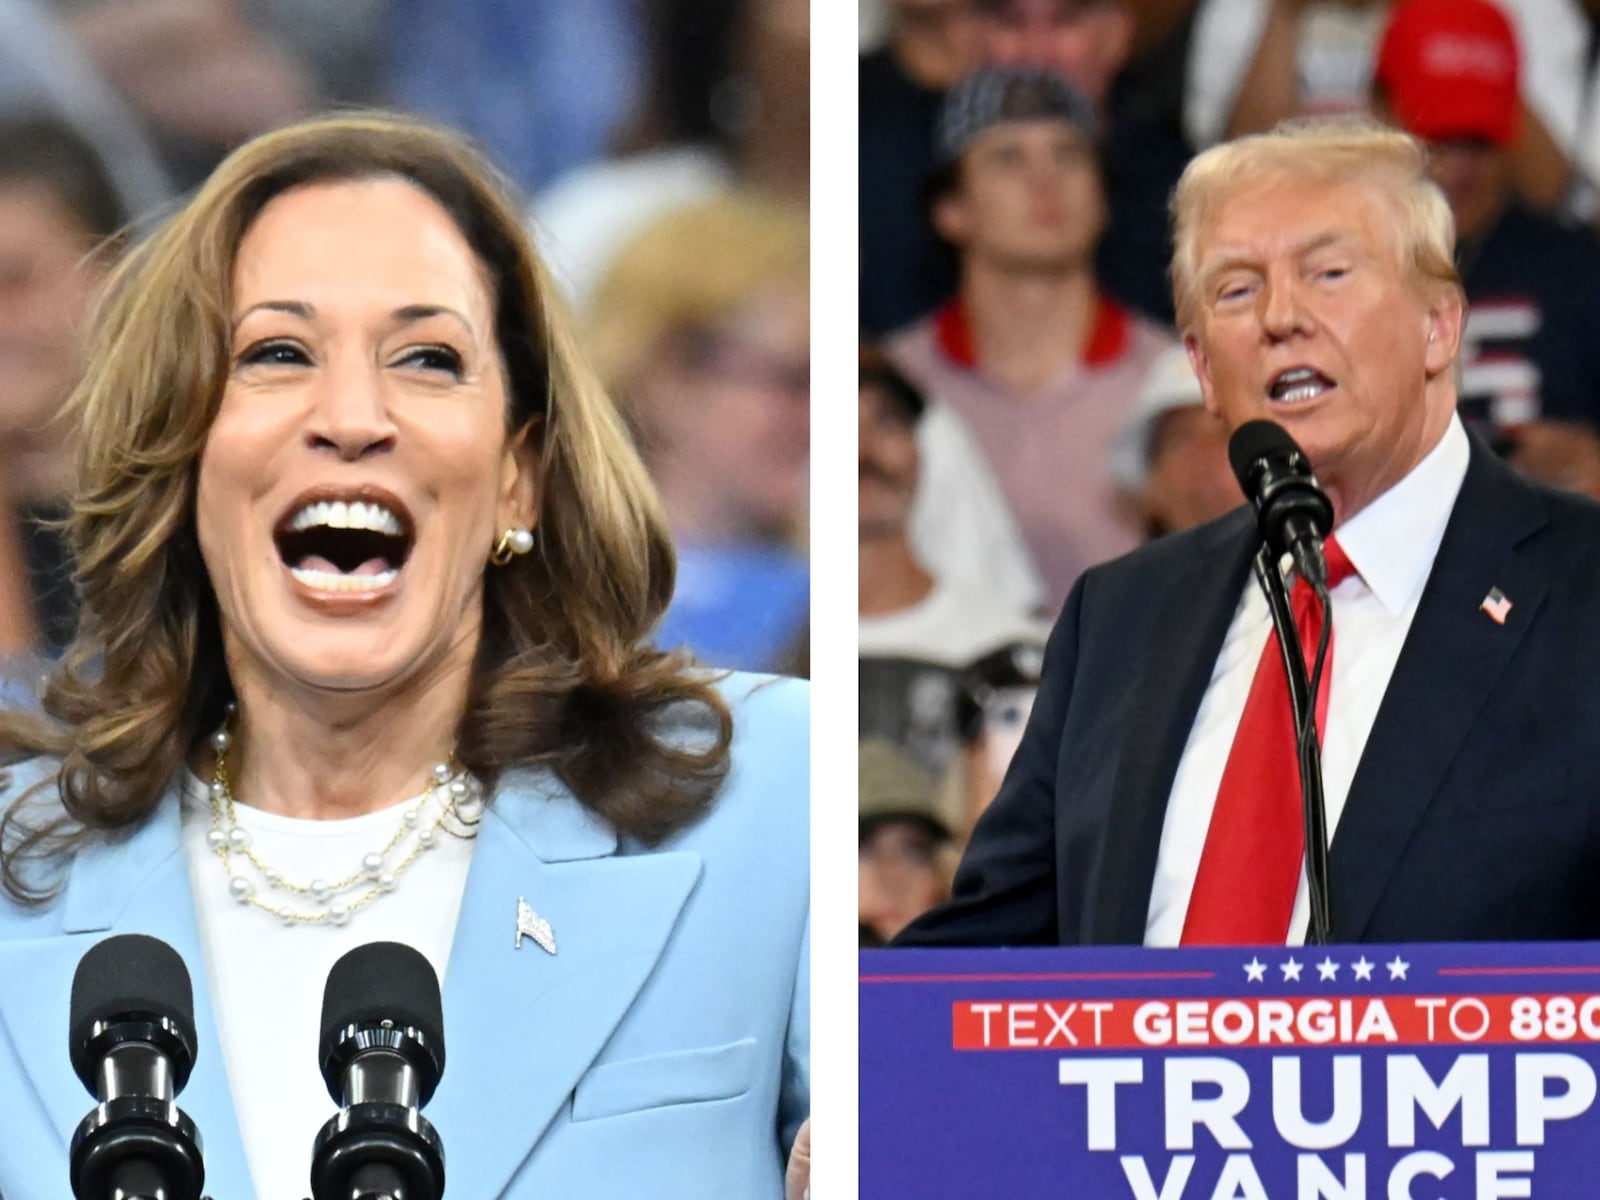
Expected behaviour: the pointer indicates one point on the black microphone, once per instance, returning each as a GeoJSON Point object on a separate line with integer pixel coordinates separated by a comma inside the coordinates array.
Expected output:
{"type": "Point", "coordinates": [132, 1040]}
{"type": "Point", "coordinates": [381, 1054]}
{"type": "Point", "coordinates": [1293, 511]}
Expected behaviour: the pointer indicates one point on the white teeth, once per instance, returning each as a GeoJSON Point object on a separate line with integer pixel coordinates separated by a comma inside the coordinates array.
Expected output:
{"type": "Point", "coordinates": [1301, 393]}
{"type": "Point", "coordinates": [334, 581]}
{"type": "Point", "coordinates": [337, 514]}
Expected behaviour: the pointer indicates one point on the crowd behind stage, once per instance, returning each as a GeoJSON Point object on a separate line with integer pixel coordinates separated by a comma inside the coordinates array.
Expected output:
{"type": "Point", "coordinates": [1027, 408]}
{"type": "Point", "coordinates": [663, 148]}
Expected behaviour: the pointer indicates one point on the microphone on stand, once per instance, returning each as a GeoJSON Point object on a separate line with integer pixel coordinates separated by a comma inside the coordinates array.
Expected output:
{"type": "Point", "coordinates": [381, 1054]}
{"type": "Point", "coordinates": [132, 1041]}
{"type": "Point", "coordinates": [1293, 511]}
{"type": "Point", "coordinates": [1294, 514]}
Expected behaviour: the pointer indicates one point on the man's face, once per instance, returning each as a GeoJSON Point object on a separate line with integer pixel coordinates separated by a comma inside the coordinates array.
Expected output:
{"type": "Point", "coordinates": [1029, 198]}
{"type": "Point", "coordinates": [887, 452]}
{"type": "Point", "coordinates": [1306, 316]}
{"type": "Point", "coordinates": [1475, 176]}
{"type": "Point", "coordinates": [1085, 40]}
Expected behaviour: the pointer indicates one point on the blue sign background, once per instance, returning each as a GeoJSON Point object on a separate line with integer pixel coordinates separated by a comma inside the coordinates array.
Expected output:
{"type": "Point", "coordinates": [940, 1122]}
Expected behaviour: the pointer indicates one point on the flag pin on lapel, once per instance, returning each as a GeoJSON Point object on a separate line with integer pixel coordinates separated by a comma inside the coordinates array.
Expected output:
{"type": "Point", "coordinates": [1496, 605]}
{"type": "Point", "coordinates": [531, 924]}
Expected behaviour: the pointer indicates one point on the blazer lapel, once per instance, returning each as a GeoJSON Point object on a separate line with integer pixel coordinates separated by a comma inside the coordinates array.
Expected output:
{"type": "Point", "coordinates": [527, 1022]}
{"type": "Point", "coordinates": [1447, 669]}
{"type": "Point", "coordinates": [133, 883]}
{"type": "Point", "coordinates": [1195, 608]}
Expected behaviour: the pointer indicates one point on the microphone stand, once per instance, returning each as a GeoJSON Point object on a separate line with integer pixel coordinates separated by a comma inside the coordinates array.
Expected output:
{"type": "Point", "coordinates": [1302, 701]}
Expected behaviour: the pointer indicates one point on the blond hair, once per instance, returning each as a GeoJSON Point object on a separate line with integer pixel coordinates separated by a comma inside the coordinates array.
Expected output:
{"type": "Point", "coordinates": [694, 266]}
{"type": "Point", "coordinates": [1322, 150]}
{"type": "Point", "coordinates": [562, 677]}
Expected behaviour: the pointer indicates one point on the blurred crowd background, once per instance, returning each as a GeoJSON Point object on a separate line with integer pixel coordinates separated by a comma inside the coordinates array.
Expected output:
{"type": "Point", "coordinates": [1026, 406]}
{"type": "Point", "coordinates": [662, 147]}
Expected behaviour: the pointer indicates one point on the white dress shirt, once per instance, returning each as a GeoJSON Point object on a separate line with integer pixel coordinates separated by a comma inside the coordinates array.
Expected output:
{"type": "Point", "coordinates": [1391, 543]}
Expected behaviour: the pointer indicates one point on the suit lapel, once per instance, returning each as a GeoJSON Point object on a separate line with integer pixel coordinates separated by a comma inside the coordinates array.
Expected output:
{"type": "Point", "coordinates": [1452, 657]}
{"type": "Point", "coordinates": [135, 883]}
{"type": "Point", "coordinates": [523, 1023]}
{"type": "Point", "coordinates": [1194, 610]}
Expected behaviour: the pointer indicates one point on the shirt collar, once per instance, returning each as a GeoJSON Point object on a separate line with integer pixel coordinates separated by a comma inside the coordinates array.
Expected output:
{"type": "Point", "coordinates": [1392, 541]}
{"type": "Point", "coordinates": [1108, 336]}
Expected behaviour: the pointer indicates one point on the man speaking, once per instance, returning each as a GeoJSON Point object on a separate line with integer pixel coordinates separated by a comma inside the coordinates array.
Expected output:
{"type": "Point", "coordinates": [1147, 803]}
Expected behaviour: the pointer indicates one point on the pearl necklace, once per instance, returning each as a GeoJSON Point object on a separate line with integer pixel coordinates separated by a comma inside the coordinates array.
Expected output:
{"type": "Point", "coordinates": [451, 804]}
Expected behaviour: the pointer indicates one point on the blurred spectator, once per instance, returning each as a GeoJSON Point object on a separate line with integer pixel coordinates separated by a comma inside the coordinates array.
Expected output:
{"type": "Point", "coordinates": [43, 69]}
{"type": "Point", "coordinates": [904, 611]}
{"type": "Point", "coordinates": [1171, 456]}
{"type": "Point", "coordinates": [1090, 42]}
{"type": "Point", "coordinates": [1038, 362]}
{"type": "Point", "coordinates": [931, 44]}
{"type": "Point", "coordinates": [60, 223]}
{"type": "Point", "coordinates": [919, 637]}
{"type": "Point", "coordinates": [1255, 62]}
{"type": "Point", "coordinates": [1000, 689]}
{"type": "Point", "coordinates": [541, 83]}
{"type": "Point", "coordinates": [701, 329]}
{"type": "Point", "coordinates": [727, 99]}
{"type": "Point", "coordinates": [1087, 41]}
{"type": "Point", "coordinates": [904, 844]}
{"type": "Point", "coordinates": [201, 75]}
{"type": "Point", "coordinates": [1530, 360]}
{"type": "Point", "coordinates": [903, 274]}
{"type": "Point", "coordinates": [1558, 156]}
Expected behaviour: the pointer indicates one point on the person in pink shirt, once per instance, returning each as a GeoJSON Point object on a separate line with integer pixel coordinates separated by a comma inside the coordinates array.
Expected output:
{"type": "Point", "coordinates": [1038, 362]}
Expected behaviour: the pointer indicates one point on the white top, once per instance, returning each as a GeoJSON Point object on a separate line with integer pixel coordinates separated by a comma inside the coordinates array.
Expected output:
{"type": "Point", "coordinates": [1334, 60]}
{"type": "Point", "coordinates": [1556, 82]}
{"type": "Point", "coordinates": [961, 527]}
{"type": "Point", "coordinates": [954, 625]}
{"type": "Point", "coordinates": [266, 978]}
{"type": "Point", "coordinates": [1391, 543]}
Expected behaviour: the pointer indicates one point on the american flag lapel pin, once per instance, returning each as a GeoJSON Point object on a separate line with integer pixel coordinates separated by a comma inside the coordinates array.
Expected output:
{"type": "Point", "coordinates": [531, 924]}
{"type": "Point", "coordinates": [1496, 605]}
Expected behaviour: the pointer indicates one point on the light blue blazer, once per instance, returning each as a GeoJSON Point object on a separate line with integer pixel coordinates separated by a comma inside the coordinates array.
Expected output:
{"type": "Point", "coordinates": [662, 1052]}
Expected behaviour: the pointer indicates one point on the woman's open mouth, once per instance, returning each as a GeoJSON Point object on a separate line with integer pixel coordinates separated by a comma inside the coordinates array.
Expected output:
{"type": "Point", "coordinates": [351, 543]}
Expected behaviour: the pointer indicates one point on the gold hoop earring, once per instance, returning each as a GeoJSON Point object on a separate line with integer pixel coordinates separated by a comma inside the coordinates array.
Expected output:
{"type": "Point", "coordinates": [512, 543]}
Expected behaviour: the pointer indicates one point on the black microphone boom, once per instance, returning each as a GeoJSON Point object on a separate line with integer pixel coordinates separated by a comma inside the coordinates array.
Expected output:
{"type": "Point", "coordinates": [381, 1054]}
{"type": "Point", "coordinates": [1293, 511]}
{"type": "Point", "coordinates": [131, 1037]}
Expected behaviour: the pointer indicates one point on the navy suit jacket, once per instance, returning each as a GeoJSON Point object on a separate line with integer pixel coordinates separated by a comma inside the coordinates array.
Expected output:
{"type": "Point", "coordinates": [1475, 809]}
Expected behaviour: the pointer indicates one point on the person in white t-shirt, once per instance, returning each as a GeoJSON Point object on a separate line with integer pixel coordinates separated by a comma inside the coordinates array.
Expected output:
{"type": "Point", "coordinates": [368, 570]}
{"type": "Point", "coordinates": [906, 610]}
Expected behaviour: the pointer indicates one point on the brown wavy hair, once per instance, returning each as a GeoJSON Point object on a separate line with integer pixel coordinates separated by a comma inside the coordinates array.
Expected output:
{"type": "Point", "coordinates": [564, 676]}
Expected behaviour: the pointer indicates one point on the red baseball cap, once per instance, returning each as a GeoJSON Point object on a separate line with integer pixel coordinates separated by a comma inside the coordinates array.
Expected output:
{"type": "Point", "coordinates": [1450, 70]}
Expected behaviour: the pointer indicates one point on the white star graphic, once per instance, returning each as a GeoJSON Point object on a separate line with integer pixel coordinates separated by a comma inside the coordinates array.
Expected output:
{"type": "Point", "coordinates": [1363, 968]}
{"type": "Point", "coordinates": [1291, 970]}
{"type": "Point", "coordinates": [1397, 968]}
{"type": "Point", "coordinates": [1327, 969]}
{"type": "Point", "coordinates": [1255, 971]}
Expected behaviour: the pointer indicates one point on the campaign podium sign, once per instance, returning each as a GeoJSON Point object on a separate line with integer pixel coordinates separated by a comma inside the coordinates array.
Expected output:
{"type": "Point", "coordinates": [1438, 1072]}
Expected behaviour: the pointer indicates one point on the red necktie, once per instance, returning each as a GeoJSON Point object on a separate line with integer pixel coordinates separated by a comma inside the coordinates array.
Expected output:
{"type": "Point", "coordinates": [1255, 847]}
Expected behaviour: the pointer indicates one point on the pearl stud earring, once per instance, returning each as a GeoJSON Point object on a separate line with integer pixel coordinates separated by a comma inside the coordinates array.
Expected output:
{"type": "Point", "coordinates": [512, 542]}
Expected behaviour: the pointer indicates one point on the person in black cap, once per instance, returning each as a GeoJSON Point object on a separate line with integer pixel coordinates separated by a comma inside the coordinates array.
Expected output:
{"type": "Point", "coordinates": [1036, 359]}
